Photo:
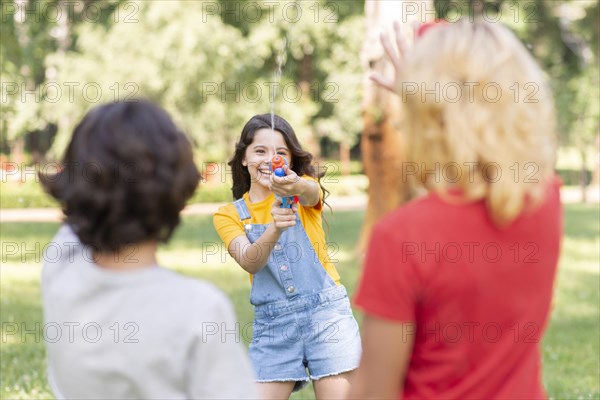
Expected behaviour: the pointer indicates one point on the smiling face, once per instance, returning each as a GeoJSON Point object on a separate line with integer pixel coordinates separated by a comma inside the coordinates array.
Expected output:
{"type": "Point", "coordinates": [264, 146]}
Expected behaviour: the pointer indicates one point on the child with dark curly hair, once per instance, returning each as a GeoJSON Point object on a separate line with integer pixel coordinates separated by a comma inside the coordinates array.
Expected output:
{"type": "Point", "coordinates": [135, 329]}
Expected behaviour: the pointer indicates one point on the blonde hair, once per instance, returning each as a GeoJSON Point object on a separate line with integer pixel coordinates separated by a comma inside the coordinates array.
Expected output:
{"type": "Point", "coordinates": [479, 117]}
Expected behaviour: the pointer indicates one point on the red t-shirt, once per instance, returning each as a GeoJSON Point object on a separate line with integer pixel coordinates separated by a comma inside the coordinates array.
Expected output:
{"type": "Point", "coordinates": [480, 295]}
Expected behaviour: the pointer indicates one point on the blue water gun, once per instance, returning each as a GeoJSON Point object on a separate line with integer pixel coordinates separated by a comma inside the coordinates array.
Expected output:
{"type": "Point", "coordinates": [277, 163]}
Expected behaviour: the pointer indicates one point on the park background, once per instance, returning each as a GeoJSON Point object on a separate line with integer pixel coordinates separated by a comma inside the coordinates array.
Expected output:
{"type": "Point", "coordinates": [212, 65]}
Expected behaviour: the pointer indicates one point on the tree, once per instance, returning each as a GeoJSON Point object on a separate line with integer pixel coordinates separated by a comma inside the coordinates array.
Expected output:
{"type": "Point", "coordinates": [340, 118]}
{"type": "Point", "coordinates": [195, 79]}
{"type": "Point", "coordinates": [578, 95]}
{"type": "Point", "coordinates": [31, 30]}
{"type": "Point", "coordinates": [381, 146]}
{"type": "Point", "coordinates": [210, 86]}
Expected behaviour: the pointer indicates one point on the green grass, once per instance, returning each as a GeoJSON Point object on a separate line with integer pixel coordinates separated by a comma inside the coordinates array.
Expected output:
{"type": "Point", "coordinates": [570, 348]}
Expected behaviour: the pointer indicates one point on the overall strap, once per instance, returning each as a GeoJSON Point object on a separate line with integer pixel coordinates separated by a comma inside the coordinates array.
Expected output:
{"type": "Point", "coordinates": [242, 209]}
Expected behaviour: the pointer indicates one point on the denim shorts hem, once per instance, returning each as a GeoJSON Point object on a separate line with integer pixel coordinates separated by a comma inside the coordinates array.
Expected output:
{"type": "Point", "coordinates": [300, 383]}
{"type": "Point", "coordinates": [305, 379]}
{"type": "Point", "coordinates": [317, 377]}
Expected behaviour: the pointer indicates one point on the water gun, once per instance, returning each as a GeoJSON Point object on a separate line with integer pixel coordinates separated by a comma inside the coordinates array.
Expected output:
{"type": "Point", "coordinates": [277, 163]}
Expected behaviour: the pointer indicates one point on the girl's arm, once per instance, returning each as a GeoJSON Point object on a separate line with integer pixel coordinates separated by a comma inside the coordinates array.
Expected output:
{"type": "Point", "coordinates": [308, 193]}
{"type": "Point", "coordinates": [292, 185]}
{"type": "Point", "coordinates": [387, 347]}
{"type": "Point", "coordinates": [253, 257]}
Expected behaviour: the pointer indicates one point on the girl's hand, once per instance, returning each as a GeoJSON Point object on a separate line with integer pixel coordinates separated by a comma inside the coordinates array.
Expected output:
{"type": "Point", "coordinates": [283, 218]}
{"type": "Point", "coordinates": [287, 185]}
{"type": "Point", "coordinates": [397, 60]}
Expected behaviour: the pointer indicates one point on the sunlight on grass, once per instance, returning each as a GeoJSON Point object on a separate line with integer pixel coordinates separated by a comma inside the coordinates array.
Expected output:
{"type": "Point", "coordinates": [20, 272]}
{"type": "Point", "coordinates": [197, 258]}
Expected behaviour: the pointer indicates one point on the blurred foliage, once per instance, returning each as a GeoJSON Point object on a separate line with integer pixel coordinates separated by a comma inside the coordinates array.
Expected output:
{"type": "Point", "coordinates": [212, 64]}
{"type": "Point", "coordinates": [209, 63]}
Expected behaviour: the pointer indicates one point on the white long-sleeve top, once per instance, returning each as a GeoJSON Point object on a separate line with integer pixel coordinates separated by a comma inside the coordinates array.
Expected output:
{"type": "Point", "coordinates": [147, 333]}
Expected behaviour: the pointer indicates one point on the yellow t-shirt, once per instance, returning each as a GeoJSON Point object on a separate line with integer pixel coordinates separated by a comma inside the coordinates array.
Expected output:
{"type": "Point", "coordinates": [228, 225]}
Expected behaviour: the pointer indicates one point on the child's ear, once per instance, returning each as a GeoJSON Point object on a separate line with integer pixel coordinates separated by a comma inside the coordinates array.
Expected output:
{"type": "Point", "coordinates": [244, 162]}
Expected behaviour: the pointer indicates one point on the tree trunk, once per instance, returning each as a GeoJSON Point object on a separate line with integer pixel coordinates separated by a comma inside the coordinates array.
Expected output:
{"type": "Point", "coordinates": [63, 39]}
{"type": "Point", "coordinates": [305, 80]}
{"type": "Point", "coordinates": [345, 158]}
{"type": "Point", "coordinates": [380, 146]}
{"type": "Point", "coordinates": [17, 152]}
{"type": "Point", "coordinates": [583, 175]}
{"type": "Point", "coordinates": [596, 170]}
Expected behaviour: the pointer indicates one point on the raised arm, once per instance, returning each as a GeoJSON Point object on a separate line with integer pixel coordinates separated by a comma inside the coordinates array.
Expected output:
{"type": "Point", "coordinates": [396, 56]}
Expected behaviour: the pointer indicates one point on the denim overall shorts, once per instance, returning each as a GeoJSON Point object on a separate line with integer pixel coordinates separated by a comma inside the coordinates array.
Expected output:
{"type": "Point", "coordinates": [303, 323]}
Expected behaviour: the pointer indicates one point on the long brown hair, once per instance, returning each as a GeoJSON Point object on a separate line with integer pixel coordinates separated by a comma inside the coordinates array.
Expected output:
{"type": "Point", "coordinates": [301, 162]}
